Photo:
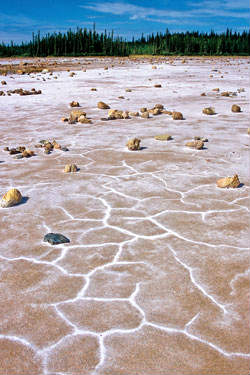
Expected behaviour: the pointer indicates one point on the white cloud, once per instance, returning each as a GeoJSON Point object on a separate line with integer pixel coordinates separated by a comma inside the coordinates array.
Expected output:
{"type": "Point", "coordinates": [198, 10]}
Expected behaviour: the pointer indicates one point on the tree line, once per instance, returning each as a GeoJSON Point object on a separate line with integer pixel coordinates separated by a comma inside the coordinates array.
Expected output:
{"type": "Point", "coordinates": [83, 42]}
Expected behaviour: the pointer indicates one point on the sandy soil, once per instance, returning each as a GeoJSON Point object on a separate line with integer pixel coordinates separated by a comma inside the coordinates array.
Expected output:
{"type": "Point", "coordinates": [155, 280]}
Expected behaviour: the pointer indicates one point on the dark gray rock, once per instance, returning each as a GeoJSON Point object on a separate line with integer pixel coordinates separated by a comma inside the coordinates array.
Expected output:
{"type": "Point", "coordinates": [55, 238]}
{"type": "Point", "coordinates": [64, 149]}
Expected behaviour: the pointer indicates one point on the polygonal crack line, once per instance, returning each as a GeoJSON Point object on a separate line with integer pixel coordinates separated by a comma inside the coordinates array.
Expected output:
{"type": "Point", "coordinates": [194, 282]}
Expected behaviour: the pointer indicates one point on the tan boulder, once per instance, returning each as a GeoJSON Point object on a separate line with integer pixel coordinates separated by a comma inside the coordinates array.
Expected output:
{"type": "Point", "coordinates": [166, 112]}
{"type": "Point", "coordinates": [229, 182]}
{"type": "Point", "coordinates": [64, 119]}
{"type": "Point", "coordinates": [143, 109]}
{"type": "Point", "coordinates": [208, 111]}
{"type": "Point", "coordinates": [84, 120]}
{"type": "Point", "coordinates": [198, 145]}
{"type": "Point", "coordinates": [125, 115]}
{"type": "Point", "coordinates": [128, 90]}
{"type": "Point", "coordinates": [102, 105]}
{"type": "Point", "coordinates": [163, 137]}
{"type": "Point", "coordinates": [235, 108]}
{"type": "Point", "coordinates": [154, 67]}
{"type": "Point", "coordinates": [159, 106]}
{"type": "Point", "coordinates": [145, 114]}
{"type": "Point", "coordinates": [74, 104]}
{"type": "Point", "coordinates": [114, 114]}
{"type": "Point", "coordinates": [11, 198]}
{"type": "Point", "coordinates": [3, 82]}
{"type": "Point", "coordinates": [75, 114]}
{"type": "Point", "coordinates": [28, 153]}
{"type": "Point", "coordinates": [157, 111]}
{"type": "Point", "coordinates": [133, 114]}
{"type": "Point", "coordinates": [134, 144]}
{"type": "Point", "coordinates": [177, 116]}
{"type": "Point", "coordinates": [70, 168]}
{"type": "Point", "coordinates": [225, 93]}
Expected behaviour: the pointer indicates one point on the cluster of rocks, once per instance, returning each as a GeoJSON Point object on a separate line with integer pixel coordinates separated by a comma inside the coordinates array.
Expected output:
{"type": "Point", "coordinates": [77, 115]}
{"type": "Point", "coordinates": [197, 143]}
{"type": "Point", "coordinates": [50, 146]}
{"type": "Point", "coordinates": [20, 152]}
{"type": "Point", "coordinates": [114, 114]}
{"type": "Point", "coordinates": [21, 92]}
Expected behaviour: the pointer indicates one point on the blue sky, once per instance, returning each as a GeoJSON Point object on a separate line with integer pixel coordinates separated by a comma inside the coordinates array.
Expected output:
{"type": "Point", "coordinates": [18, 18]}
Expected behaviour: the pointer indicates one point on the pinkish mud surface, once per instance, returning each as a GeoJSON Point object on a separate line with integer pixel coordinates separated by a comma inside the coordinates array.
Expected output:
{"type": "Point", "coordinates": [155, 280]}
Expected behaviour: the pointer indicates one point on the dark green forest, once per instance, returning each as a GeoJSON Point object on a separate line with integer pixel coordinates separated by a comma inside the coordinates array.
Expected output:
{"type": "Point", "coordinates": [83, 42]}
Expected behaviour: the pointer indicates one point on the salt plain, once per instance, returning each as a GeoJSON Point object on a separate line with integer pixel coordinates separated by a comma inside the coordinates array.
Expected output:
{"type": "Point", "coordinates": [155, 280]}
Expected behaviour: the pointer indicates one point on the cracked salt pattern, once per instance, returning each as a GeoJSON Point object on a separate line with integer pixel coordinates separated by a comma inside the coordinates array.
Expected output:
{"type": "Point", "coordinates": [155, 279]}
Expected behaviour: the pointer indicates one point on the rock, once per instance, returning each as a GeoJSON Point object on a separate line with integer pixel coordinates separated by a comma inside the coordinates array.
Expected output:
{"type": "Point", "coordinates": [64, 149]}
{"type": "Point", "coordinates": [106, 68]}
{"type": "Point", "coordinates": [11, 198]}
{"type": "Point", "coordinates": [57, 146]}
{"type": "Point", "coordinates": [159, 106]}
{"type": "Point", "coordinates": [114, 114]}
{"type": "Point", "coordinates": [13, 151]}
{"type": "Point", "coordinates": [133, 144]}
{"type": "Point", "coordinates": [47, 151]}
{"type": "Point", "coordinates": [133, 114]}
{"type": "Point", "coordinates": [121, 97]}
{"type": "Point", "coordinates": [143, 109]}
{"type": "Point", "coordinates": [75, 114]}
{"type": "Point", "coordinates": [208, 111]}
{"type": "Point", "coordinates": [145, 115]}
{"type": "Point", "coordinates": [44, 71]}
{"type": "Point", "coordinates": [163, 137]}
{"type": "Point", "coordinates": [235, 108]}
{"type": "Point", "coordinates": [225, 93]}
{"type": "Point", "coordinates": [128, 90]}
{"type": "Point", "coordinates": [167, 112]}
{"type": "Point", "coordinates": [38, 145]}
{"type": "Point", "coordinates": [6, 149]}
{"type": "Point", "coordinates": [157, 85]}
{"type": "Point", "coordinates": [55, 238]}
{"type": "Point", "coordinates": [154, 67]}
{"type": "Point", "coordinates": [93, 89]}
{"type": "Point", "coordinates": [18, 156]}
{"type": "Point", "coordinates": [203, 94]}
{"type": "Point", "coordinates": [177, 116]}
{"type": "Point", "coordinates": [3, 82]}
{"type": "Point", "coordinates": [28, 153]}
{"type": "Point", "coordinates": [2, 93]}
{"type": "Point", "coordinates": [64, 119]}
{"type": "Point", "coordinates": [102, 105]}
{"type": "Point", "coordinates": [48, 146]}
{"type": "Point", "coordinates": [156, 111]}
{"type": "Point", "coordinates": [72, 74]}
{"type": "Point", "coordinates": [217, 89]}
{"type": "Point", "coordinates": [70, 168]}
{"type": "Point", "coordinates": [228, 182]}
{"type": "Point", "coordinates": [84, 120]}
{"type": "Point", "coordinates": [248, 130]}
{"type": "Point", "coordinates": [125, 115]}
{"type": "Point", "coordinates": [74, 104]}
{"type": "Point", "coordinates": [198, 145]}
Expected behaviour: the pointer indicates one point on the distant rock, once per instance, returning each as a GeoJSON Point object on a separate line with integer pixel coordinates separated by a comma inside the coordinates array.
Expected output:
{"type": "Point", "coordinates": [11, 198]}
{"type": "Point", "coordinates": [208, 111]}
{"type": "Point", "coordinates": [177, 116]}
{"type": "Point", "coordinates": [134, 144]}
{"type": "Point", "coordinates": [3, 82]}
{"type": "Point", "coordinates": [145, 114]}
{"type": "Point", "coordinates": [235, 108]}
{"type": "Point", "coordinates": [163, 137]}
{"type": "Point", "coordinates": [102, 105]}
{"type": "Point", "coordinates": [75, 114]}
{"type": "Point", "coordinates": [74, 104]}
{"type": "Point", "coordinates": [133, 114]}
{"type": "Point", "coordinates": [198, 145]}
{"type": "Point", "coordinates": [55, 238]}
{"type": "Point", "coordinates": [84, 120]}
{"type": "Point", "coordinates": [158, 85]}
{"type": "Point", "coordinates": [70, 168]}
